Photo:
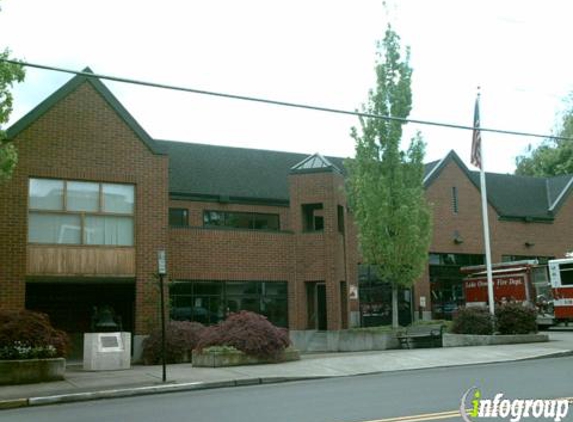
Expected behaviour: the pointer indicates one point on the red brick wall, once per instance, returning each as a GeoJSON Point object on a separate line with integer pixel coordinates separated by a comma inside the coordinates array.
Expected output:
{"type": "Point", "coordinates": [82, 138]}
{"type": "Point", "coordinates": [506, 237]}
{"type": "Point", "coordinates": [320, 256]}
{"type": "Point", "coordinates": [290, 255]}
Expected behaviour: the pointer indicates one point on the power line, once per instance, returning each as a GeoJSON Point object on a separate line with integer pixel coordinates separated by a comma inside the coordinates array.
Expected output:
{"type": "Point", "coordinates": [275, 102]}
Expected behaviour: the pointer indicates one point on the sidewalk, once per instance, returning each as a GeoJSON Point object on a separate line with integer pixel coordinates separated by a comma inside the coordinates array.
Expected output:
{"type": "Point", "coordinates": [81, 385]}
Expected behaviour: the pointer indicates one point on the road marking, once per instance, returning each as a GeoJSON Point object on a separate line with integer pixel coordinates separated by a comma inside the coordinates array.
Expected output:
{"type": "Point", "coordinates": [436, 416]}
{"type": "Point", "coordinates": [421, 417]}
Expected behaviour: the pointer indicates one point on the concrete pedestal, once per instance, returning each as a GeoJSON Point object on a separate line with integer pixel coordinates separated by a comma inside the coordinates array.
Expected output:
{"type": "Point", "coordinates": [107, 351]}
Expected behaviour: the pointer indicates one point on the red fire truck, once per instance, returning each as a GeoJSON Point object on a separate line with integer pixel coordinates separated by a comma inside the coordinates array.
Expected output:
{"type": "Point", "coordinates": [547, 286]}
{"type": "Point", "coordinates": [561, 276]}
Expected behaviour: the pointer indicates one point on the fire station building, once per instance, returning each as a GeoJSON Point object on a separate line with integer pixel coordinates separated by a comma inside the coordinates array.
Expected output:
{"type": "Point", "coordinates": [94, 198]}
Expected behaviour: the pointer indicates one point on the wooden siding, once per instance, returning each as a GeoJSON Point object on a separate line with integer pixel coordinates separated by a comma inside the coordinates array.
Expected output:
{"type": "Point", "coordinates": [81, 261]}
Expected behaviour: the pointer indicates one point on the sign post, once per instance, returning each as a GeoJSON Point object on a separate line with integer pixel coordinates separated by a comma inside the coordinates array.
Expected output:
{"type": "Point", "coordinates": [162, 270]}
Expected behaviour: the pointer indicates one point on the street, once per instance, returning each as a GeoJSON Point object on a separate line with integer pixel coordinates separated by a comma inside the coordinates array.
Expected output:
{"type": "Point", "coordinates": [348, 399]}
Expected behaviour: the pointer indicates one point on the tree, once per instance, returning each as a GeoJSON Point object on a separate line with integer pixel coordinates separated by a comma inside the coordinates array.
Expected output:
{"type": "Point", "coordinates": [9, 73]}
{"type": "Point", "coordinates": [554, 156]}
{"type": "Point", "coordinates": [385, 185]}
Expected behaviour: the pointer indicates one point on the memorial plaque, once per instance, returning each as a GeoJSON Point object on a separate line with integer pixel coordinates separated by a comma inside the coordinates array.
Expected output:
{"type": "Point", "coordinates": [109, 341]}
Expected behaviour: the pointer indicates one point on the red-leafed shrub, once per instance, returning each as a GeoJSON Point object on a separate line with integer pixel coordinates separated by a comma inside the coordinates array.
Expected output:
{"type": "Point", "coordinates": [248, 332]}
{"type": "Point", "coordinates": [515, 318]}
{"type": "Point", "coordinates": [473, 320]}
{"type": "Point", "coordinates": [181, 337]}
{"type": "Point", "coordinates": [27, 334]}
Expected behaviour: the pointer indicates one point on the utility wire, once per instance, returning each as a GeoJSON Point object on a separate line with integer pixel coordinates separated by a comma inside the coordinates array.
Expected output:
{"type": "Point", "coordinates": [276, 102]}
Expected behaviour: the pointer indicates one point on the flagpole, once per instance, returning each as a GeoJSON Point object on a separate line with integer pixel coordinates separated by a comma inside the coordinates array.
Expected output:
{"type": "Point", "coordinates": [477, 148]}
{"type": "Point", "coordinates": [486, 239]}
{"type": "Point", "coordinates": [485, 220]}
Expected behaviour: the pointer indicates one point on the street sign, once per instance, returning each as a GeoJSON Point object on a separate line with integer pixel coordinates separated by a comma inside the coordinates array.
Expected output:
{"type": "Point", "coordinates": [161, 263]}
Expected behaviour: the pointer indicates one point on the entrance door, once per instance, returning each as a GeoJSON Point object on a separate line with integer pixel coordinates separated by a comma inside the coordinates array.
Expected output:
{"type": "Point", "coordinates": [316, 305]}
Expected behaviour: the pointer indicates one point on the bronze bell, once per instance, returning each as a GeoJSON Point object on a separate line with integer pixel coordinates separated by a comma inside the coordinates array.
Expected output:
{"type": "Point", "coordinates": [104, 320]}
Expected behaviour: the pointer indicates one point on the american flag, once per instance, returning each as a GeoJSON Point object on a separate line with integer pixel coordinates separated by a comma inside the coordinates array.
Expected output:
{"type": "Point", "coordinates": [476, 141]}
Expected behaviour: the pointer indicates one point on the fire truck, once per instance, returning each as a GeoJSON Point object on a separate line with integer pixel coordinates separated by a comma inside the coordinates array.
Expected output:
{"type": "Point", "coordinates": [561, 276]}
{"type": "Point", "coordinates": [549, 287]}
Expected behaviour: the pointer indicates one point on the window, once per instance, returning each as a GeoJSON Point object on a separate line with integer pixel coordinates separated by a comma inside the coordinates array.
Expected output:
{"type": "Point", "coordinates": [541, 259]}
{"type": "Point", "coordinates": [178, 217]}
{"type": "Point", "coordinates": [455, 199]}
{"type": "Point", "coordinates": [241, 220]}
{"type": "Point", "coordinates": [566, 273]}
{"type": "Point", "coordinates": [209, 302]}
{"type": "Point", "coordinates": [77, 212]}
{"type": "Point", "coordinates": [341, 219]}
{"type": "Point", "coordinates": [312, 217]}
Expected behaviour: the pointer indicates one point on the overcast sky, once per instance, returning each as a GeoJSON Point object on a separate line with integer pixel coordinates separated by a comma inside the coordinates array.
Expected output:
{"type": "Point", "coordinates": [319, 52]}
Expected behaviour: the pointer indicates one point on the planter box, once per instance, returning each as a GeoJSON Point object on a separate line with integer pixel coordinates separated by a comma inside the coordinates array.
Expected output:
{"type": "Point", "coordinates": [461, 340]}
{"type": "Point", "coordinates": [236, 358]}
{"type": "Point", "coordinates": [31, 370]}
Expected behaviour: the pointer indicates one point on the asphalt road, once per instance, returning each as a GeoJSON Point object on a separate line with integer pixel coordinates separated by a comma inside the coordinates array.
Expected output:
{"type": "Point", "coordinates": [350, 399]}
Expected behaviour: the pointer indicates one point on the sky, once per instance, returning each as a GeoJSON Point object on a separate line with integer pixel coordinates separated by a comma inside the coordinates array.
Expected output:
{"type": "Point", "coordinates": [319, 52]}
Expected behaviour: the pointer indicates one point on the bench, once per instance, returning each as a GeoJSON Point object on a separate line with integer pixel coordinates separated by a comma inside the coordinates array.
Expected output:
{"type": "Point", "coordinates": [429, 335]}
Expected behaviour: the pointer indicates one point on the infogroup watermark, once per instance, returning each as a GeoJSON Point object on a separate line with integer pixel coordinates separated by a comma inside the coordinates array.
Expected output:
{"type": "Point", "coordinates": [474, 407]}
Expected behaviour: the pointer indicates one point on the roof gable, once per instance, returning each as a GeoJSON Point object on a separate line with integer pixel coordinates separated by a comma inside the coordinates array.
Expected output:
{"type": "Point", "coordinates": [513, 197]}
{"type": "Point", "coordinates": [68, 88]}
{"type": "Point", "coordinates": [315, 163]}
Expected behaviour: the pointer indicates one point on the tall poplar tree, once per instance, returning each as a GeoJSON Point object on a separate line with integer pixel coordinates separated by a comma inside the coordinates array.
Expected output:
{"type": "Point", "coordinates": [385, 185]}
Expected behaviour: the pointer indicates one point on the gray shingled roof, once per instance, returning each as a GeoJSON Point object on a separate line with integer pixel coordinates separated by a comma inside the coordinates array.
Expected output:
{"type": "Point", "coordinates": [210, 171]}
{"type": "Point", "coordinates": [517, 196]}
{"type": "Point", "coordinates": [200, 170]}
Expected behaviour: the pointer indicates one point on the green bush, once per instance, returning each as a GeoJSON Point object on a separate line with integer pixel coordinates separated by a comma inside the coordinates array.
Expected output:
{"type": "Point", "coordinates": [516, 318]}
{"type": "Point", "coordinates": [29, 335]}
{"type": "Point", "coordinates": [473, 320]}
{"type": "Point", "coordinates": [181, 337]}
{"type": "Point", "coordinates": [248, 332]}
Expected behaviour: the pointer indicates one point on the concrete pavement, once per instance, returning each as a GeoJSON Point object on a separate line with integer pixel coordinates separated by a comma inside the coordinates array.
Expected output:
{"type": "Point", "coordinates": [82, 385]}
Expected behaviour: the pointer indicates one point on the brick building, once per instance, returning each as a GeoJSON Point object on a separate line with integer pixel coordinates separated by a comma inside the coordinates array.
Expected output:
{"type": "Point", "coordinates": [94, 198]}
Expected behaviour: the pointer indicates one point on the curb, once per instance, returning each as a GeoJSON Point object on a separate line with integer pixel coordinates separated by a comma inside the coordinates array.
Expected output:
{"type": "Point", "coordinates": [200, 385]}
{"type": "Point", "coordinates": [12, 404]}
{"type": "Point", "coordinates": [140, 391]}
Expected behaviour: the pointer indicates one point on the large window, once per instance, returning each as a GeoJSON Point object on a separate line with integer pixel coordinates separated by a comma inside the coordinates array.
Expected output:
{"type": "Point", "coordinates": [241, 220]}
{"type": "Point", "coordinates": [209, 302]}
{"type": "Point", "coordinates": [74, 212]}
{"type": "Point", "coordinates": [375, 297]}
{"type": "Point", "coordinates": [446, 281]}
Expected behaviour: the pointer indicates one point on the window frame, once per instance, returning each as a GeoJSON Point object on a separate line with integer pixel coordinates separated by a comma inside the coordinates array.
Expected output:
{"type": "Point", "coordinates": [82, 214]}
{"type": "Point", "coordinates": [226, 217]}
{"type": "Point", "coordinates": [185, 217]}
{"type": "Point", "coordinates": [455, 200]}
